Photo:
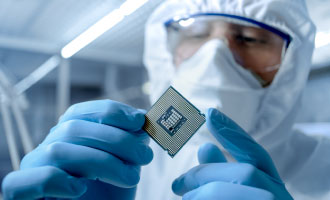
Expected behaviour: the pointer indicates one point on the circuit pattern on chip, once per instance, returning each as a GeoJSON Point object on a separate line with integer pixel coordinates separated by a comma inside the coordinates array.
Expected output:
{"type": "Point", "coordinates": [172, 121]}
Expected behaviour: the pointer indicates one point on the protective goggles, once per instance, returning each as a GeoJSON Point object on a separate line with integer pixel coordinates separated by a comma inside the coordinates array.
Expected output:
{"type": "Point", "coordinates": [254, 45]}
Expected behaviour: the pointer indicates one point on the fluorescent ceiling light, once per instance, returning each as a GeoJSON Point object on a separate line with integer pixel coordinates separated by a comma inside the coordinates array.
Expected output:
{"type": "Point", "coordinates": [129, 6]}
{"type": "Point", "coordinates": [322, 39]}
{"type": "Point", "coordinates": [100, 27]}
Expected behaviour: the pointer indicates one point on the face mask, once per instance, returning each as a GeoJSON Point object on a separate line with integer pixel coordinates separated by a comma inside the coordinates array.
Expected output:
{"type": "Point", "coordinates": [212, 78]}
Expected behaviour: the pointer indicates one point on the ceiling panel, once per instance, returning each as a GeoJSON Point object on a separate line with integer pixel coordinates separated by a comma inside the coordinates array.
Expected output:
{"type": "Point", "coordinates": [51, 20]}
{"type": "Point", "coordinates": [16, 14]}
{"type": "Point", "coordinates": [54, 23]}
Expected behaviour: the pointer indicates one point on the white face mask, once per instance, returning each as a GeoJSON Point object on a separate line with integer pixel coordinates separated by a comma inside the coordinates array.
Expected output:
{"type": "Point", "coordinates": [212, 78]}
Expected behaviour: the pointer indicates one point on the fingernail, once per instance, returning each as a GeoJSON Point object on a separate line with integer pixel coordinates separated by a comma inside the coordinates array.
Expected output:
{"type": "Point", "coordinates": [213, 114]}
{"type": "Point", "coordinates": [213, 111]}
{"type": "Point", "coordinates": [214, 117]}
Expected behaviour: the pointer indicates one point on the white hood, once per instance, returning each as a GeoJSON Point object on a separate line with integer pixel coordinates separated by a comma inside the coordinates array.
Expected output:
{"type": "Point", "coordinates": [279, 105]}
{"type": "Point", "coordinates": [301, 160]}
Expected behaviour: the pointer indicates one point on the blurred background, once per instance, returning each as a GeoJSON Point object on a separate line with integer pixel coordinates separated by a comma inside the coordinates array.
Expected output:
{"type": "Point", "coordinates": [37, 85]}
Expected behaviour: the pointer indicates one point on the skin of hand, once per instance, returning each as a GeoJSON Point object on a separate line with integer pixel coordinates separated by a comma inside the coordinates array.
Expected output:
{"type": "Point", "coordinates": [99, 142]}
{"type": "Point", "coordinates": [253, 176]}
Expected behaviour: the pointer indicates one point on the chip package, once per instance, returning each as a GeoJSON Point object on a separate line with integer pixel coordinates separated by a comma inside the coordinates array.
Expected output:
{"type": "Point", "coordinates": [172, 121]}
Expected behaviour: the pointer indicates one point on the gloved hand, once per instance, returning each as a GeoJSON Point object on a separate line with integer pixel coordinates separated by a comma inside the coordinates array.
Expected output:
{"type": "Point", "coordinates": [254, 176]}
{"type": "Point", "coordinates": [94, 143]}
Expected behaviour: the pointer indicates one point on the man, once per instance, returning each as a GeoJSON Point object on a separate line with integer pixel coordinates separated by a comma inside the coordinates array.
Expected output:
{"type": "Point", "coordinates": [249, 59]}
{"type": "Point", "coordinates": [229, 64]}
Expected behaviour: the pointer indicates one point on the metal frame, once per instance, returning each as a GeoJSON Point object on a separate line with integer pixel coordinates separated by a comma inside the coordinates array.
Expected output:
{"type": "Point", "coordinates": [11, 105]}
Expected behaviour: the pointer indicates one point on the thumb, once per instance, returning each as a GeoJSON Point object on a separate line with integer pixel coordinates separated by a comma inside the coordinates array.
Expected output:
{"type": "Point", "coordinates": [238, 143]}
{"type": "Point", "coordinates": [210, 153]}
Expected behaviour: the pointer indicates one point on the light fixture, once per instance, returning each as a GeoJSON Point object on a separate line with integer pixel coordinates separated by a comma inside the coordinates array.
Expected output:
{"type": "Point", "coordinates": [100, 27]}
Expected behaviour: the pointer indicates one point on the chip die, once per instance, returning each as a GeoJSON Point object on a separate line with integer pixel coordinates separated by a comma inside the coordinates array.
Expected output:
{"type": "Point", "coordinates": [172, 121]}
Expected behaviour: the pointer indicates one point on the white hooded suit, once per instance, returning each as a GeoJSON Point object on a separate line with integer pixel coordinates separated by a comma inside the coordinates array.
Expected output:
{"type": "Point", "coordinates": [301, 160]}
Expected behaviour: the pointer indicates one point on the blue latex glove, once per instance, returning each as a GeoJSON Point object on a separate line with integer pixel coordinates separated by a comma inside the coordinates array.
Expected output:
{"type": "Point", "coordinates": [254, 176]}
{"type": "Point", "coordinates": [97, 145]}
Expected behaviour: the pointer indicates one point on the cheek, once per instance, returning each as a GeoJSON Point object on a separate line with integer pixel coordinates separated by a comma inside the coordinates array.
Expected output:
{"type": "Point", "coordinates": [257, 62]}
{"type": "Point", "coordinates": [184, 51]}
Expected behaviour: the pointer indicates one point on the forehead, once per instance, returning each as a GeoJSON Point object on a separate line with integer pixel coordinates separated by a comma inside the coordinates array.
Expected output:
{"type": "Point", "coordinates": [238, 27]}
{"type": "Point", "coordinates": [203, 20]}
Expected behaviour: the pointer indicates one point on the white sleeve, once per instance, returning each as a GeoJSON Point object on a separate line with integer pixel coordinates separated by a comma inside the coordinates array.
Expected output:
{"type": "Point", "coordinates": [303, 162]}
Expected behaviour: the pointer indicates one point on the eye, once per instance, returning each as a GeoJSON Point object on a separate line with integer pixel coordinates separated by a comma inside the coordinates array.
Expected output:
{"type": "Point", "coordinates": [245, 39]}
{"type": "Point", "coordinates": [196, 36]}
{"type": "Point", "coordinates": [201, 35]}
{"type": "Point", "coordinates": [249, 40]}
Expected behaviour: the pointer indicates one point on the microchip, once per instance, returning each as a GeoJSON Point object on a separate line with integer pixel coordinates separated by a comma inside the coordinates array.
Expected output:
{"type": "Point", "coordinates": [172, 121]}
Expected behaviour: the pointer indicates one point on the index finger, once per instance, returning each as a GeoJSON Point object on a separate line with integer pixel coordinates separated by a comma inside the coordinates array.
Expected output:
{"type": "Point", "coordinates": [238, 143]}
{"type": "Point", "coordinates": [106, 112]}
